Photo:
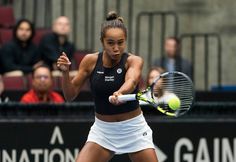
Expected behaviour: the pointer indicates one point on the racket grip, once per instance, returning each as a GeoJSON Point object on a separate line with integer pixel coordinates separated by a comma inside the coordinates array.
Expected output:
{"type": "Point", "coordinates": [143, 103]}
{"type": "Point", "coordinates": [127, 97]}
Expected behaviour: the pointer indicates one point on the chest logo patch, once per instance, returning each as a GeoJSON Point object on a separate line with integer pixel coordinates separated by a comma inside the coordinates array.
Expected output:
{"type": "Point", "coordinates": [109, 78]}
{"type": "Point", "coordinates": [119, 70]}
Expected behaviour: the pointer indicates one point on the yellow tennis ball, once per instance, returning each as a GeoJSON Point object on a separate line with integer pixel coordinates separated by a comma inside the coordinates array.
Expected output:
{"type": "Point", "coordinates": [174, 103]}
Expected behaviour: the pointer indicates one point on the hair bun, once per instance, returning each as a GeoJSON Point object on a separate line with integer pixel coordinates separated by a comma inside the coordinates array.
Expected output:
{"type": "Point", "coordinates": [112, 15]}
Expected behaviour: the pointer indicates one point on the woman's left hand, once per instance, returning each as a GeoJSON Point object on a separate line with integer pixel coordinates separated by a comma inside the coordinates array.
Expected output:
{"type": "Point", "coordinates": [63, 62]}
{"type": "Point", "coordinates": [114, 99]}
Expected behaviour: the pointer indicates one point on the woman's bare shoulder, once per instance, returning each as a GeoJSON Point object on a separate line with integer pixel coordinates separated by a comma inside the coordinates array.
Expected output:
{"type": "Point", "coordinates": [134, 58]}
{"type": "Point", "coordinates": [89, 61]}
{"type": "Point", "coordinates": [92, 57]}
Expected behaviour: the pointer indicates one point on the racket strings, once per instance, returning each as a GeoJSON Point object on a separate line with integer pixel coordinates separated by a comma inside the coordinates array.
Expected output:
{"type": "Point", "coordinates": [178, 85]}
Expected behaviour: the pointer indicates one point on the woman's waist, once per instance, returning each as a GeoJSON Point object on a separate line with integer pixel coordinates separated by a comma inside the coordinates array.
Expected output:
{"type": "Point", "coordinates": [108, 110]}
{"type": "Point", "coordinates": [119, 117]}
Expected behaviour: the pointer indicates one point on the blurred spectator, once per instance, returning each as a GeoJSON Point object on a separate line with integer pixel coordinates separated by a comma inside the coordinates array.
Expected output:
{"type": "Point", "coordinates": [2, 97]}
{"type": "Point", "coordinates": [20, 54]}
{"type": "Point", "coordinates": [173, 61]}
{"type": "Point", "coordinates": [152, 74]}
{"type": "Point", "coordinates": [42, 87]}
{"type": "Point", "coordinates": [53, 44]}
{"type": "Point", "coordinates": [1, 85]}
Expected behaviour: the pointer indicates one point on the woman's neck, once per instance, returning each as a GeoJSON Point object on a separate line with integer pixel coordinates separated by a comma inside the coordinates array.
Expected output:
{"type": "Point", "coordinates": [108, 62]}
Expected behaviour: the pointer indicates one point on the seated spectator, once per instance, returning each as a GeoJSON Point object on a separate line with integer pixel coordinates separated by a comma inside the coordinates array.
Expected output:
{"type": "Point", "coordinates": [152, 74]}
{"type": "Point", "coordinates": [173, 61]}
{"type": "Point", "coordinates": [2, 97]}
{"type": "Point", "coordinates": [20, 54]}
{"type": "Point", "coordinates": [41, 91]}
{"type": "Point", "coordinates": [1, 85]}
{"type": "Point", "coordinates": [53, 44]}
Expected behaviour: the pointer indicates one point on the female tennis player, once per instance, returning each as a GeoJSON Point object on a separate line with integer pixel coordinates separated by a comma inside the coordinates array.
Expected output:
{"type": "Point", "coordinates": [119, 127]}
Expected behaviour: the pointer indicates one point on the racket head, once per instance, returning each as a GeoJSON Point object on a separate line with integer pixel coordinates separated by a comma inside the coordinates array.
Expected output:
{"type": "Point", "coordinates": [172, 93]}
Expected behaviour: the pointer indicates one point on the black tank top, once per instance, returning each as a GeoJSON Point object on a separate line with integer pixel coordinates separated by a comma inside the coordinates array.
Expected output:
{"type": "Point", "coordinates": [104, 82]}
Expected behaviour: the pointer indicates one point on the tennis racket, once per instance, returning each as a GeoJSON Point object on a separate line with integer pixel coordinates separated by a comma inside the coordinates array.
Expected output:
{"type": "Point", "coordinates": [172, 93]}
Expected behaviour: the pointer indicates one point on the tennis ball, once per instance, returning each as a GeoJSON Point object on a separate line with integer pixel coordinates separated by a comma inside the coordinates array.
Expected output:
{"type": "Point", "coordinates": [174, 103]}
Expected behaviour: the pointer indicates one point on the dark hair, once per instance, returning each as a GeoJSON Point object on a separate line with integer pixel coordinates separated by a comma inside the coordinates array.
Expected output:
{"type": "Point", "coordinates": [112, 21]}
{"type": "Point", "coordinates": [17, 26]}
{"type": "Point", "coordinates": [41, 66]}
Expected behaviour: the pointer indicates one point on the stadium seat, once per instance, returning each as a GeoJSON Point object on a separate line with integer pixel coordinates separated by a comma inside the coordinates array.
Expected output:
{"type": "Point", "coordinates": [78, 56]}
{"type": "Point", "coordinates": [5, 35]}
{"type": "Point", "coordinates": [58, 82]}
{"type": "Point", "coordinates": [226, 88]}
{"type": "Point", "coordinates": [7, 18]}
{"type": "Point", "coordinates": [14, 82]}
{"type": "Point", "coordinates": [14, 73]}
{"type": "Point", "coordinates": [39, 33]}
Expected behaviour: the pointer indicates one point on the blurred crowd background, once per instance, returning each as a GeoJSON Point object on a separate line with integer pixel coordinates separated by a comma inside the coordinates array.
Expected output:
{"type": "Point", "coordinates": [196, 37]}
{"type": "Point", "coordinates": [202, 31]}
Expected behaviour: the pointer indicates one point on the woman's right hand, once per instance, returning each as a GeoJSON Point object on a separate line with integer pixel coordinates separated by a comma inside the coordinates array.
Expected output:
{"type": "Point", "coordinates": [63, 62]}
{"type": "Point", "coordinates": [114, 99]}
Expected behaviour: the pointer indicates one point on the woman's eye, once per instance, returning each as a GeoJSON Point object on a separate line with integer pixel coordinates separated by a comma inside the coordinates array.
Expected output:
{"type": "Point", "coordinates": [110, 43]}
{"type": "Point", "coordinates": [120, 43]}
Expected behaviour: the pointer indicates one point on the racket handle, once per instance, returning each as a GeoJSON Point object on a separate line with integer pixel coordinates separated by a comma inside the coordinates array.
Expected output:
{"type": "Point", "coordinates": [143, 103]}
{"type": "Point", "coordinates": [127, 97]}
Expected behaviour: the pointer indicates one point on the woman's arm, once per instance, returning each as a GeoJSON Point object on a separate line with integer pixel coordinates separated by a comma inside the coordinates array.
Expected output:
{"type": "Point", "coordinates": [71, 87]}
{"type": "Point", "coordinates": [132, 77]}
{"type": "Point", "coordinates": [133, 74]}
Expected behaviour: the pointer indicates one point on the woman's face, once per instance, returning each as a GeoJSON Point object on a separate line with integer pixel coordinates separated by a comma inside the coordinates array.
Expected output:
{"type": "Point", "coordinates": [114, 43]}
{"type": "Point", "coordinates": [152, 75]}
{"type": "Point", "coordinates": [24, 32]}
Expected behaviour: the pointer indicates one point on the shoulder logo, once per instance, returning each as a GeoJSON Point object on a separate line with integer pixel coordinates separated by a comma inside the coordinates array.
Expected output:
{"type": "Point", "coordinates": [119, 70]}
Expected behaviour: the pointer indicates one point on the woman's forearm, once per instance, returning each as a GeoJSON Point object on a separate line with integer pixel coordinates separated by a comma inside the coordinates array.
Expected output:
{"type": "Point", "coordinates": [128, 87]}
{"type": "Point", "coordinates": [68, 88]}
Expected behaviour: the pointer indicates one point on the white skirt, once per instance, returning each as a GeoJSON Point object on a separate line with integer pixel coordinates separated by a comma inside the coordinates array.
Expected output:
{"type": "Point", "coordinates": [127, 136]}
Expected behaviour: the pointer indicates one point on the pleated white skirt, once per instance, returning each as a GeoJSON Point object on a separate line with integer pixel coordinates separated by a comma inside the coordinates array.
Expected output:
{"type": "Point", "coordinates": [127, 136]}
